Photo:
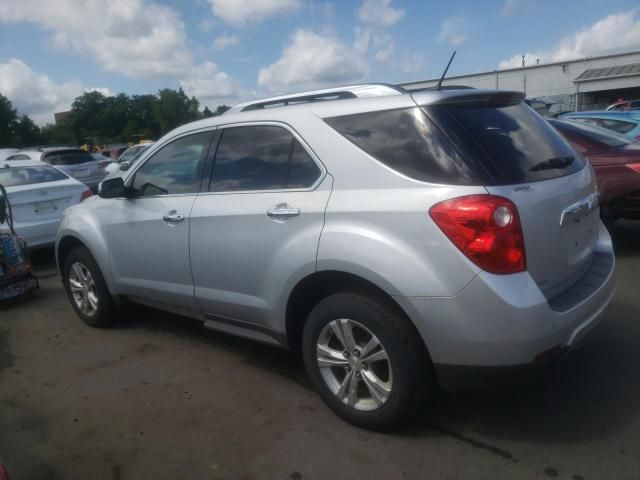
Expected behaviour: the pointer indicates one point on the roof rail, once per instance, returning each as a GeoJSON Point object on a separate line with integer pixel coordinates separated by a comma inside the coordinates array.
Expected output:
{"type": "Point", "coordinates": [338, 93]}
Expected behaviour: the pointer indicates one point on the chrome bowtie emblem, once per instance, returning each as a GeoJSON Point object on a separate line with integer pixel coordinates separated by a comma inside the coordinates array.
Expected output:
{"type": "Point", "coordinates": [581, 209]}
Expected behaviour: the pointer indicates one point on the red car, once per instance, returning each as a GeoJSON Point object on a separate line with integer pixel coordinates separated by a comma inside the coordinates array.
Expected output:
{"type": "Point", "coordinates": [616, 161]}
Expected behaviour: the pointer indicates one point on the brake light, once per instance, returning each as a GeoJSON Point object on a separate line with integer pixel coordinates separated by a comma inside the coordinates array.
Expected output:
{"type": "Point", "coordinates": [86, 194]}
{"type": "Point", "coordinates": [634, 166]}
{"type": "Point", "coordinates": [486, 228]}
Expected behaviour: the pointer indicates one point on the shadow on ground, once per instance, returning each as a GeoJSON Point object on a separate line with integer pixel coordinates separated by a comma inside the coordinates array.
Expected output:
{"type": "Point", "coordinates": [584, 398]}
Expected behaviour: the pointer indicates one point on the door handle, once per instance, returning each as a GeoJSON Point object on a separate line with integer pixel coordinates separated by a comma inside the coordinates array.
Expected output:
{"type": "Point", "coordinates": [282, 212]}
{"type": "Point", "coordinates": [173, 217]}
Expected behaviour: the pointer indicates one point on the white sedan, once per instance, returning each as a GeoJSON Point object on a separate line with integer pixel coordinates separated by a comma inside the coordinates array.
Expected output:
{"type": "Point", "coordinates": [38, 194]}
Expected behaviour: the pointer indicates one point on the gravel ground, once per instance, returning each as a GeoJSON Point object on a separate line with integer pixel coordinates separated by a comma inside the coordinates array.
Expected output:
{"type": "Point", "coordinates": [159, 397]}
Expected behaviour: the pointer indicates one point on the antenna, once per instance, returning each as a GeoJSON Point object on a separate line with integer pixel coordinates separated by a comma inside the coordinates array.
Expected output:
{"type": "Point", "coordinates": [444, 74]}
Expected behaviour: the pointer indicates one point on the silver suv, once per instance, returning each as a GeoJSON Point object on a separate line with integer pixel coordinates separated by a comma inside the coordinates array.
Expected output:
{"type": "Point", "coordinates": [398, 241]}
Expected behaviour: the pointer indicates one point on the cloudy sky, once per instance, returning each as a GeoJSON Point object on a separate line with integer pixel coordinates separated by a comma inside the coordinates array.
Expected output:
{"type": "Point", "coordinates": [224, 51]}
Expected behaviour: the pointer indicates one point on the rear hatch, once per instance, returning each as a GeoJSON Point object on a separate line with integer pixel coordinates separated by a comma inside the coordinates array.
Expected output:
{"type": "Point", "coordinates": [524, 159]}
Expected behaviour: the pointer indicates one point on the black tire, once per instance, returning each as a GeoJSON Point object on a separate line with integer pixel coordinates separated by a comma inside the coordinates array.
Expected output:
{"type": "Point", "coordinates": [105, 313]}
{"type": "Point", "coordinates": [407, 356]}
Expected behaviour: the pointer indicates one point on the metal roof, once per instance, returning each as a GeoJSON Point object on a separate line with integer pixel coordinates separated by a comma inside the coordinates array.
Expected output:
{"type": "Point", "coordinates": [591, 74]}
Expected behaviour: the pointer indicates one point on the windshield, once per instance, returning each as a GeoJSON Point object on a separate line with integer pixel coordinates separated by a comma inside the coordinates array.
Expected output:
{"type": "Point", "coordinates": [132, 153]}
{"type": "Point", "coordinates": [29, 175]}
{"type": "Point", "coordinates": [592, 132]}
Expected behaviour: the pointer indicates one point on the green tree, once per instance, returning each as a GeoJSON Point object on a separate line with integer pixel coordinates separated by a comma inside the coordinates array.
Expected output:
{"type": "Point", "coordinates": [8, 122]}
{"type": "Point", "coordinates": [221, 109]}
{"type": "Point", "coordinates": [27, 133]}
{"type": "Point", "coordinates": [174, 108]}
{"type": "Point", "coordinates": [61, 133]}
{"type": "Point", "coordinates": [206, 113]}
{"type": "Point", "coordinates": [87, 116]}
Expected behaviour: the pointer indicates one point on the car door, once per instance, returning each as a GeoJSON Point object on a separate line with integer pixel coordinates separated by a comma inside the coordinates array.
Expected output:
{"type": "Point", "coordinates": [148, 233]}
{"type": "Point", "coordinates": [256, 231]}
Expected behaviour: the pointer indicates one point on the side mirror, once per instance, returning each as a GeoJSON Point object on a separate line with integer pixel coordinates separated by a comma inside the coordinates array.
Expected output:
{"type": "Point", "coordinates": [124, 166]}
{"type": "Point", "coordinates": [112, 188]}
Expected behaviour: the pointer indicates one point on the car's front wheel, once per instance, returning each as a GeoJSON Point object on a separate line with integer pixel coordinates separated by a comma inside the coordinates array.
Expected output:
{"type": "Point", "coordinates": [86, 288]}
{"type": "Point", "coordinates": [366, 360]}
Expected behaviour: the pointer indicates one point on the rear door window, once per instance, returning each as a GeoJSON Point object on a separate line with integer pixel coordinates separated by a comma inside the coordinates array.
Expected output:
{"type": "Point", "coordinates": [261, 157]}
{"type": "Point", "coordinates": [408, 142]}
{"type": "Point", "coordinates": [511, 142]}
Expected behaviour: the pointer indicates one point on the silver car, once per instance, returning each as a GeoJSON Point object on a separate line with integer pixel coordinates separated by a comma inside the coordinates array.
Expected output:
{"type": "Point", "coordinates": [75, 162]}
{"type": "Point", "coordinates": [398, 241]}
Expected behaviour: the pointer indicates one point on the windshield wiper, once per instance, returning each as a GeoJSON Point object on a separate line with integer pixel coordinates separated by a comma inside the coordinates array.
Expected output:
{"type": "Point", "coordinates": [555, 162]}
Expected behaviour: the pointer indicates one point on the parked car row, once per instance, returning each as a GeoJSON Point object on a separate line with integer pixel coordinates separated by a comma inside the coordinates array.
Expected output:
{"type": "Point", "coordinates": [42, 182]}
{"type": "Point", "coordinates": [75, 162]}
{"type": "Point", "coordinates": [624, 122]}
{"type": "Point", "coordinates": [616, 161]}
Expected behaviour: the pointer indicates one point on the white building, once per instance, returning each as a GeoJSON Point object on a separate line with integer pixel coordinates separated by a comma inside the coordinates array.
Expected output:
{"type": "Point", "coordinates": [584, 84]}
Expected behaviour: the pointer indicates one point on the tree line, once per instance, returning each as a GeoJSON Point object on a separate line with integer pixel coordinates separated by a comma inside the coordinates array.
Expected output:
{"type": "Point", "coordinates": [95, 118]}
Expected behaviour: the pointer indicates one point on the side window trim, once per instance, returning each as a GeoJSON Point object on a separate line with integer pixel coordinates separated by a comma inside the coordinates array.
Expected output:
{"type": "Point", "coordinates": [296, 137]}
{"type": "Point", "coordinates": [129, 178]}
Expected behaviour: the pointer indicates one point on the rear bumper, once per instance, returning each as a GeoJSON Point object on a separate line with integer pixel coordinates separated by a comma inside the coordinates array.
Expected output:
{"type": "Point", "coordinates": [502, 326]}
{"type": "Point", "coordinates": [38, 234]}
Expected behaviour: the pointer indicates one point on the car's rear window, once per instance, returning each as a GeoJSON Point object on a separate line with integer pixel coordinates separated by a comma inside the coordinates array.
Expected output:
{"type": "Point", "coordinates": [511, 142]}
{"type": "Point", "coordinates": [407, 141]}
{"type": "Point", "coordinates": [69, 157]}
{"type": "Point", "coordinates": [29, 175]}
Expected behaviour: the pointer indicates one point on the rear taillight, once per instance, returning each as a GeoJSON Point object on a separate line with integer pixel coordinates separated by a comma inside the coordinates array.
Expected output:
{"type": "Point", "coordinates": [634, 166]}
{"type": "Point", "coordinates": [486, 228]}
{"type": "Point", "coordinates": [86, 194]}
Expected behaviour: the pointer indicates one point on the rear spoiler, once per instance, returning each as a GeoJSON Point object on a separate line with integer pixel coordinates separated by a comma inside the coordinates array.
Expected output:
{"type": "Point", "coordinates": [476, 98]}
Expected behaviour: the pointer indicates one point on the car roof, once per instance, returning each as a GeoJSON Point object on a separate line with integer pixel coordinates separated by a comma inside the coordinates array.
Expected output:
{"type": "Point", "coordinates": [613, 114]}
{"type": "Point", "coordinates": [22, 163]}
{"type": "Point", "coordinates": [383, 98]}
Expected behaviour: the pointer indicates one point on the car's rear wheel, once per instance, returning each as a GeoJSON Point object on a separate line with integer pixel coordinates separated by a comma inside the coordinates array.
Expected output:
{"type": "Point", "coordinates": [87, 290]}
{"type": "Point", "coordinates": [366, 360]}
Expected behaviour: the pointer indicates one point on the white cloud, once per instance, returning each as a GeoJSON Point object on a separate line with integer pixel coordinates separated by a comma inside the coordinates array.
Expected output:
{"type": "Point", "coordinates": [616, 32]}
{"type": "Point", "coordinates": [412, 63]}
{"type": "Point", "coordinates": [209, 84]}
{"type": "Point", "coordinates": [513, 7]}
{"type": "Point", "coordinates": [135, 37]}
{"type": "Point", "coordinates": [385, 53]}
{"type": "Point", "coordinates": [452, 30]}
{"type": "Point", "coordinates": [35, 94]}
{"type": "Point", "coordinates": [244, 12]}
{"type": "Point", "coordinates": [379, 13]}
{"type": "Point", "coordinates": [223, 41]}
{"type": "Point", "coordinates": [312, 61]}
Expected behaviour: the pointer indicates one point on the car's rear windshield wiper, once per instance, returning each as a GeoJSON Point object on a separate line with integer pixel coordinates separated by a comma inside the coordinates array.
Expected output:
{"type": "Point", "coordinates": [555, 162]}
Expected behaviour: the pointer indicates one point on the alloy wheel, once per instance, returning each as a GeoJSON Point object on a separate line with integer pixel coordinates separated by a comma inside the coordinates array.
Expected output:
{"type": "Point", "coordinates": [354, 364]}
{"type": "Point", "coordinates": [83, 289]}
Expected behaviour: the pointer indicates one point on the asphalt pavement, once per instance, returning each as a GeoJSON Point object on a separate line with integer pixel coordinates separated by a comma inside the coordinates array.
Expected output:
{"type": "Point", "coordinates": [159, 397]}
